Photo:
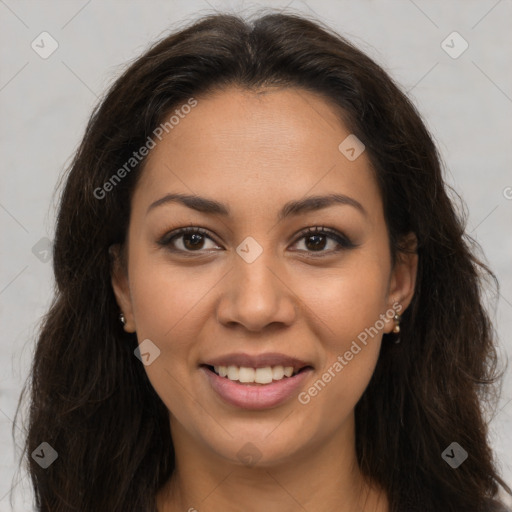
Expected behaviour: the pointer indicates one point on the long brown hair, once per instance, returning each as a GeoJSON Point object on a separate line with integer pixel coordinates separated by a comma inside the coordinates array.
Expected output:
{"type": "Point", "coordinates": [90, 398]}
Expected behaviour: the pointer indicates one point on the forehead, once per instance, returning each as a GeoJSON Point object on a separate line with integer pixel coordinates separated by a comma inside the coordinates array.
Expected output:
{"type": "Point", "coordinates": [257, 149]}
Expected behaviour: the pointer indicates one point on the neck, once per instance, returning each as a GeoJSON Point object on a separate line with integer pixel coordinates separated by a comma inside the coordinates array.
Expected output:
{"type": "Point", "coordinates": [325, 477]}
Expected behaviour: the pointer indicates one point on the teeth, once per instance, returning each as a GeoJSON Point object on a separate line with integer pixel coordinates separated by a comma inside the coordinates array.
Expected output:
{"type": "Point", "coordinates": [254, 375]}
{"type": "Point", "coordinates": [232, 373]}
{"type": "Point", "coordinates": [246, 374]}
{"type": "Point", "coordinates": [263, 375]}
{"type": "Point", "coordinates": [277, 372]}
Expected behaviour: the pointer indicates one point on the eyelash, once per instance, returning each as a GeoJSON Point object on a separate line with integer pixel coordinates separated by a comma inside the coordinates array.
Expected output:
{"type": "Point", "coordinates": [343, 241]}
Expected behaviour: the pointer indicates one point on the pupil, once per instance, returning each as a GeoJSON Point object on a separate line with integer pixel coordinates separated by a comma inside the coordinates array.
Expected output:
{"type": "Point", "coordinates": [317, 244]}
{"type": "Point", "coordinates": [197, 237]}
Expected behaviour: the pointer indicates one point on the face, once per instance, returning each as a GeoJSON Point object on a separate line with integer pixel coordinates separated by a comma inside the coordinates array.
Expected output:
{"type": "Point", "coordinates": [257, 287]}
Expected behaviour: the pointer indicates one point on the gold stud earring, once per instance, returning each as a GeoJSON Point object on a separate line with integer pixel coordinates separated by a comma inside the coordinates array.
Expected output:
{"type": "Point", "coordinates": [396, 328]}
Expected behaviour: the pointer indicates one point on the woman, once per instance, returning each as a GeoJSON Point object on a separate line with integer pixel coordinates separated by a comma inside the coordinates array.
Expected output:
{"type": "Point", "coordinates": [265, 298]}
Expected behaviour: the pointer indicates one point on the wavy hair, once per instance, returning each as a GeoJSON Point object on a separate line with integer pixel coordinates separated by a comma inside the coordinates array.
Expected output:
{"type": "Point", "coordinates": [90, 398]}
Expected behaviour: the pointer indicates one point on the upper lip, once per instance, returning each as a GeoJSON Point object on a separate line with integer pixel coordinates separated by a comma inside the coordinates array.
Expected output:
{"type": "Point", "coordinates": [257, 361]}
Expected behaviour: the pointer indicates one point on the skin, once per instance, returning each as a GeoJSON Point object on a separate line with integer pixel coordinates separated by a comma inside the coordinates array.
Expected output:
{"type": "Point", "coordinates": [254, 151]}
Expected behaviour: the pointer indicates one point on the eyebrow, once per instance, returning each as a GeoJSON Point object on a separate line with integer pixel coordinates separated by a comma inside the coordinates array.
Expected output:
{"type": "Point", "coordinates": [291, 208]}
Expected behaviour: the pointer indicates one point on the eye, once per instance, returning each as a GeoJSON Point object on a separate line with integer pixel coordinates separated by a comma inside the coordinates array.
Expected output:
{"type": "Point", "coordinates": [192, 239]}
{"type": "Point", "coordinates": [315, 240]}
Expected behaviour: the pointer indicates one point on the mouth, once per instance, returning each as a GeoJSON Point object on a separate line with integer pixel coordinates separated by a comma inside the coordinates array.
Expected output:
{"type": "Point", "coordinates": [256, 383]}
{"type": "Point", "coordinates": [256, 376]}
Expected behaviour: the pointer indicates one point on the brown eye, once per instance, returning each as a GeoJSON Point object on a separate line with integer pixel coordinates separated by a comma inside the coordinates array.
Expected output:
{"type": "Point", "coordinates": [317, 239]}
{"type": "Point", "coordinates": [316, 242]}
{"type": "Point", "coordinates": [190, 239]}
{"type": "Point", "coordinates": [193, 240]}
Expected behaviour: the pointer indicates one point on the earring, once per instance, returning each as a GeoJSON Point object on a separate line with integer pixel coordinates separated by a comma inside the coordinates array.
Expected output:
{"type": "Point", "coordinates": [396, 328]}
{"type": "Point", "coordinates": [122, 318]}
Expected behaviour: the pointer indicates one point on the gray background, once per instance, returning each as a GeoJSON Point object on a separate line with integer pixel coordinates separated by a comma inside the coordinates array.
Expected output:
{"type": "Point", "coordinates": [45, 103]}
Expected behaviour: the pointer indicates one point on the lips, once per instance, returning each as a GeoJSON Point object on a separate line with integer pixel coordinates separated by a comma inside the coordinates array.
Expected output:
{"type": "Point", "coordinates": [256, 396]}
{"type": "Point", "coordinates": [252, 395]}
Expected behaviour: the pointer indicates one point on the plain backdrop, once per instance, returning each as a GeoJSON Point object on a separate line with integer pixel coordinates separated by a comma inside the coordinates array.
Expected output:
{"type": "Point", "coordinates": [466, 101]}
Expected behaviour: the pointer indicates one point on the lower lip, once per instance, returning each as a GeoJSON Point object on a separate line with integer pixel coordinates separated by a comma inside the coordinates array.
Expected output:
{"type": "Point", "coordinates": [256, 396]}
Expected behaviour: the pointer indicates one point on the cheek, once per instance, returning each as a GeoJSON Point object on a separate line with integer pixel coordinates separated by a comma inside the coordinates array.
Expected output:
{"type": "Point", "coordinates": [351, 336]}
{"type": "Point", "coordinates": [349, 308]}
{"type": "Point", "coordinates": [166, 303]}
{"type": "Point", "coordinates": [165, 298]}
{"type": "Point", "coordinates": [334, 393]}
{"type": "Point", "coordinates": [346, 302]}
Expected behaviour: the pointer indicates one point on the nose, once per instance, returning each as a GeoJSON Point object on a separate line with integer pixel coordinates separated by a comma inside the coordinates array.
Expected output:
{"type": "Point", "coordinates": [256, 295]}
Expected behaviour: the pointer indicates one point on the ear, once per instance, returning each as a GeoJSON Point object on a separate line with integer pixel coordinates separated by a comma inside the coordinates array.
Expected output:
{"type": "Point", "coordinates": [403, 277]}
{"type": "Point", "coordinates": [120, 285]}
